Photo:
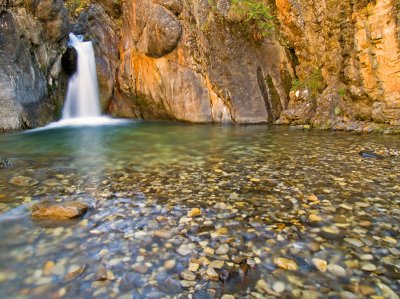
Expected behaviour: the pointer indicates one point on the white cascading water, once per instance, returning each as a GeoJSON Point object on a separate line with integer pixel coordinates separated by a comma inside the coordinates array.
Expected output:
{"type": "Point", "coordinates": [82, 106]}
{"type": "Point", "coordinates": [82, 99]}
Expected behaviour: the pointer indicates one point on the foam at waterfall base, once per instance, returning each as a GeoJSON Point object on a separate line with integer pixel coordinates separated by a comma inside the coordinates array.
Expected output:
{"type": "Point", "coordinates": [84, 122]}
{"type": "Point", "coordinates": [90, 121]}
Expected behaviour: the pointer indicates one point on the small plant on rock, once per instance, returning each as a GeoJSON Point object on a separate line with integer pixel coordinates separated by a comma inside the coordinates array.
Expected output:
{"type": "Point", "coordinates": [255, 11]}
{"type": "Point", "coordinates": [314, 83]}
{"type": "Point", "coordinates": [76, 6]}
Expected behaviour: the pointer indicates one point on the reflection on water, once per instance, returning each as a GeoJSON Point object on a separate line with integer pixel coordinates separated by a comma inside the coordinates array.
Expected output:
{"type": "Point", "coordinates": [271, 199]}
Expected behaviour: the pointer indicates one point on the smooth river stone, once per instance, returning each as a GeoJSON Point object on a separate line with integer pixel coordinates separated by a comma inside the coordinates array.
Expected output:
{"type": "Point", "coordinates": [188, 275]}
{"type": "Point", "coordinates": [59, 211]}
{"type": "Point", "coordinates": [336, 270]}
{"type": "Point", "coordinates": [286, 264]}
{"type": "Point", "coordinates": [321, 265]}
{"type": "Point", "coordinates": [355, 242]}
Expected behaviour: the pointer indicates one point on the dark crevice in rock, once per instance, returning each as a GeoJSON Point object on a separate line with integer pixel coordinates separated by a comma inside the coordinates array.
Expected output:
{"type": "Point", "coordinates": [69, 61]}
{"type": "Point", "coordinates": [293, 57]}
{"type": "Point", "coordinates": [264, 92]}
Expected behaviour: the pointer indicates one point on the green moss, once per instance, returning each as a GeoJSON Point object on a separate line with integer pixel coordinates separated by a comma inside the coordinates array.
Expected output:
{"type": "Point", "coordinates": [287, 81]}
{"type": "Point", "coordinates": [338, 111]}
{"type": "Point", "coordinates": [76, 6]}
{"type": "Point", "coordinates": [342, 92]}
{"type": "Point", "coordinates": [275, 99]}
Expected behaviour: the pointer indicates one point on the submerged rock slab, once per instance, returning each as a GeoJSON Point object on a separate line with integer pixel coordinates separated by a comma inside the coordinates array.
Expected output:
{"type": "Point", "coordinates": [23, 181]}
{"type": "Point", "coordinates": [59, 211]}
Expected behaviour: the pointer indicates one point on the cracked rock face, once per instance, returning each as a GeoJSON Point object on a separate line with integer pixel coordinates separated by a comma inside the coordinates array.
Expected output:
{"type": "Point", "coordinates": [347, 52]}
{"type": "Point", "coordinates": [197, 61]}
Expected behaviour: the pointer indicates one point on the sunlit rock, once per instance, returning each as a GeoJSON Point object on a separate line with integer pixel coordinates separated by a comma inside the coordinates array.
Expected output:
{"type": "Point", "coordinates": [59, 211]}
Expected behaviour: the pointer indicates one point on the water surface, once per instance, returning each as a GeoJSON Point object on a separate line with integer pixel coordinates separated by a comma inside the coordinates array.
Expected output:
{"type": "Point", "coordinates": [256, 187]}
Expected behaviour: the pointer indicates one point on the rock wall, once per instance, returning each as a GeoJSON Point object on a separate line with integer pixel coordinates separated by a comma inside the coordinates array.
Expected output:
{"type": "Point", "coordinates": [188, 60]}
{"type": "Point", "coordinates": [327, 63]}
{"type": "Point", "coordinates": [331, 64]}
{"type": "Point", "coordinates": [32, 38]}
{"type": "Point", "coordinates": [354, 45]}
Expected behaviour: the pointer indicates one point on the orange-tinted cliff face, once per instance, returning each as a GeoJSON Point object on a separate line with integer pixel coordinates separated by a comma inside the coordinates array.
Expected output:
{"type": "Point", "coordinates": [345, 58]}
{"type": "Point", "coordinates": [356, 49]}
{"type": "Point", "coordinates": [187, 60]}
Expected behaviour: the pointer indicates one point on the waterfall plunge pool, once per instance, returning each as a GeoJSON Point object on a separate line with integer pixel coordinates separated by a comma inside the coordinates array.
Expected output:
{"type": "Point", "coordinates": [270, 198]}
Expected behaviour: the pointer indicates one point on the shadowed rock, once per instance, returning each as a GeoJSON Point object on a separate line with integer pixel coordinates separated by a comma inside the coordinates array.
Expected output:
{"type": "Point", "coordinates": [4, 163]}
{"type": "Point", "coordinates": [69, 61]}
{"type": "Point", "coordinates": [370, 154]}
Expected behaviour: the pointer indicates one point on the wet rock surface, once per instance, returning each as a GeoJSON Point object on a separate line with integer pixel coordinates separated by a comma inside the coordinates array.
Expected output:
{"type": "Point", "coordinates": [202, 211]}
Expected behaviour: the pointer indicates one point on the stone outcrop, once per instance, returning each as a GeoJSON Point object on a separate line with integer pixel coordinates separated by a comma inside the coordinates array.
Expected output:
{"type": "Point", "coordinates": [33, 39]}
{"type": "Point", "coordinates": [333, 65]}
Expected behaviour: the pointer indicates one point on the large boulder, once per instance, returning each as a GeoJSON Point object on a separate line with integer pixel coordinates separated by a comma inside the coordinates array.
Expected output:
{"type": "Point", "coordinates": [162, 32]}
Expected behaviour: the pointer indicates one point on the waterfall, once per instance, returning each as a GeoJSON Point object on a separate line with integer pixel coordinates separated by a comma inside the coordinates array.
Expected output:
{"type": "Point", "coordinates": [82, 99]}
{"type": "Point", "coordinates": [82, 107]}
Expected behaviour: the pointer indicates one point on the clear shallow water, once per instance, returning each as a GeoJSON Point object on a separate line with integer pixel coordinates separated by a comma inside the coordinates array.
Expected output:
{"type": "Point", "coordinates": [254, 186]}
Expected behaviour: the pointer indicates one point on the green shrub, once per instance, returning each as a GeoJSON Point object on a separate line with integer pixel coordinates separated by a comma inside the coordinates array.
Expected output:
{"type": "Point", "coordinates": [256, 11]}
{"type": "Point", "coordinates": [314, 83]}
